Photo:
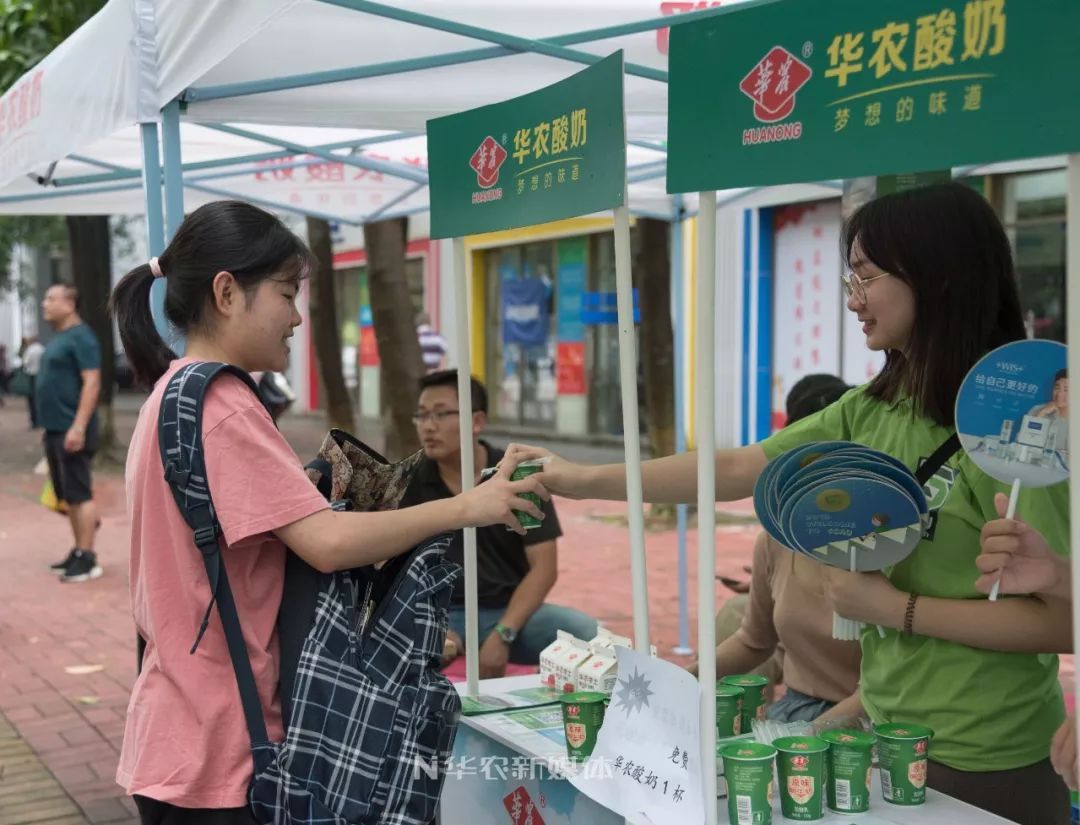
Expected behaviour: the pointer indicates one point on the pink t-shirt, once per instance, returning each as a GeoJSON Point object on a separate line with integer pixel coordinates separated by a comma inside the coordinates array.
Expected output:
{"type": "Point", "coordinates": [185, 741]}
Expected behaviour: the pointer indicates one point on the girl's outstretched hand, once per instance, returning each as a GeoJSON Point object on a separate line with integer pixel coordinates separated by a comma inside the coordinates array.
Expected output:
{"type": "Point", "coordinates": [495, 501]}
{"type": "Point", "coordinates": [559, 475]}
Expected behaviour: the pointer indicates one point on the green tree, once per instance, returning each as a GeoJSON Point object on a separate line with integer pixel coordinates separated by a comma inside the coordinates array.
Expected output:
{"type": "Point", "coordinates": [29, 30]}
{"type": "Point", "coordinates": [653, 268]}
{"type": "Point", "coordinates": [395, 332]}
{"type": "Point", "coordinates": [326, 331]}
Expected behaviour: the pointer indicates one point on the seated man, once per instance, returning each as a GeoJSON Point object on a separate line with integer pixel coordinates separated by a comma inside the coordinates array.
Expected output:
{"type": "Point", "coordinates": [514, 573]}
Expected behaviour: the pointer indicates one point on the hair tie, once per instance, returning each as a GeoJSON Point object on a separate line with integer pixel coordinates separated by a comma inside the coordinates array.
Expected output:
{"type": "Point", "coordinates": [155, 267]}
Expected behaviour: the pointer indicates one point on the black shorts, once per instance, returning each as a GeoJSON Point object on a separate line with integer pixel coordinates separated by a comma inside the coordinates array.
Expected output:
{"type": "Point", "coordinates": [70, 472]}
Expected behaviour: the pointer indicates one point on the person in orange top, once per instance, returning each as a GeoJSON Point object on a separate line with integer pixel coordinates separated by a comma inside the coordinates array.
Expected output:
{"type": "Point", "coordinates": [786, 620]}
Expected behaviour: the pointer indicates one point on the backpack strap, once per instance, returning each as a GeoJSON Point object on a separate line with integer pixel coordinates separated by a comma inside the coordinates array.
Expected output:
{"type": "Point", "coordinates": [180, 445]}
{"type": "Point", "coordinates": [946, 450]}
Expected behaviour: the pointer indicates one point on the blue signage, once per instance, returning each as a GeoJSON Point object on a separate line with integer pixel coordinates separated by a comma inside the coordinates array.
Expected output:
{"type": "Point", "coordinates": [524, 311]}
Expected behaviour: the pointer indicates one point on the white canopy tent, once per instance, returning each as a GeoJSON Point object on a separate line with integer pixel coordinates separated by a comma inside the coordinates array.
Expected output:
{"type": "Point", "coordinates": [319, 107]}
{"type": "Point", "coordinates": [69, 142]}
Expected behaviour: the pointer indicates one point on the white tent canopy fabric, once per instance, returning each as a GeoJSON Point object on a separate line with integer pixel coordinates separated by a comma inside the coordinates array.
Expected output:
{"type": "Point", "coordinates": [74, 123]}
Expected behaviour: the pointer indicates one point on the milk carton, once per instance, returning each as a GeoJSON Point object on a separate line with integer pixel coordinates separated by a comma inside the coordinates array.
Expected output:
{"type": "Point", "coordinates": [599, 672]}
{"type": "Point", "coordinates": [561, 660]}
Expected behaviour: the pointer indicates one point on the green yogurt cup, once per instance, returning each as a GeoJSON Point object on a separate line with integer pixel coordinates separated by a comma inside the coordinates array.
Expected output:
{"type": "Point", "coordinates": [800, 768]}
{"type": "Point", "coordinates": [902, 757]}
{"type": "Point", "coordinates": [729, 704]}
{"type": "Point", "coordinates": [851, 754]}
{"type": "Point", "coordinates": [523, 471]}
{"type": "Point", "coordinates": [583, 714]}
{"type": "Point", "coordinates": [753, 697]}
{"type": "Point", "coordinates": [748, 770]}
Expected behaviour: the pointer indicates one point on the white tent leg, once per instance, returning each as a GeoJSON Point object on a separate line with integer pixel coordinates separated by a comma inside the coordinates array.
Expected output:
{"type": "Point", "coordinates": [460, 280]}
{"type": "Point", "coordinates": [1072, 281]}
{"type": "Point", "coordinates": [705, 372]}
{"type": "Point", "coordinates": [631, 427]}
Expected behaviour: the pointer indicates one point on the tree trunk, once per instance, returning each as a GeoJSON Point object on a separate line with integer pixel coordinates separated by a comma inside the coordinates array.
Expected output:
{"type": "Point", "coordinates": [653, 266]}
{"type": "Point", "coordinates": [325, 332]}
{"type": "Point", "coordinates": [395, 332]}
{"type": "Point", "coordinates": [91, 267]}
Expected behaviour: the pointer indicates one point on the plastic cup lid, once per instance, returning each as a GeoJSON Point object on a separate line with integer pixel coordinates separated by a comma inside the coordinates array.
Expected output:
{"type": "Point", "coordinates": [800, 744]}
{"type": "Point", "coordinates": [849, 738]}
{"type": "Point", "coordinates": [748, 751]}
{"type": "Point", "coordinates": [582, 697]}
{"type": "Point", "coordinates": [745, 680]}
{"type": "Point", "coordinates": [902, 730]}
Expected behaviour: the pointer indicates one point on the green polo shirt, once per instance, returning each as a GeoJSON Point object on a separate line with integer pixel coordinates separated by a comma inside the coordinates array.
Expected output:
{"type": "Point", "coordinates": [990, 710]}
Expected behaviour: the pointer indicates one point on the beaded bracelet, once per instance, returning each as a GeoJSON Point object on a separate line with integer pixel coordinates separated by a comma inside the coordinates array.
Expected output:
{"type": "Point", "coordinates": [909, 614]}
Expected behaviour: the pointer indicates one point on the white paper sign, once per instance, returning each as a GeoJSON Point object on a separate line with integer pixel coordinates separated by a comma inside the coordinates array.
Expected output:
{"type": "Point", "coordinates": [646, 765]}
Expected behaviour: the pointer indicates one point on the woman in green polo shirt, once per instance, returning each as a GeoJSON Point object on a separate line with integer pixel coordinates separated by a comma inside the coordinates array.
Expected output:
{"type": "Point", "coordinates": [931, 279]}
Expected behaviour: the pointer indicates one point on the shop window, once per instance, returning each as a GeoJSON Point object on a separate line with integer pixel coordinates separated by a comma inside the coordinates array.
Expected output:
{"type": "Point", "coordinates": [1033, 211]}
{"type": "Point", "coordinates": [520, 286]}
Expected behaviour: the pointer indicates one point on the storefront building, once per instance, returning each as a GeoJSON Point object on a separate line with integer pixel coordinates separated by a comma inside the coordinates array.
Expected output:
{"type": "Point", "coordinates": [543, 332]}
{"type": "Point", "coordinates": [544, 320]}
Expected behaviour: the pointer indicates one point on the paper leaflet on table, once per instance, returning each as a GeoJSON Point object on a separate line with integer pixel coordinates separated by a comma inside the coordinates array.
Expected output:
{"type": "Point", "coordinates": [646, 765]}
{"type": "Point", "coordinates": [510, 700]}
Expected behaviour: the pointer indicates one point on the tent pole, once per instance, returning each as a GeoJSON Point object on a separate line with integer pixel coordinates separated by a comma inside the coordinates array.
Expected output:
{"type": "Point", "coordinates": [122, 172]}
{"type": "Point", "coordinates": [174, 183]}
{"type": "Point", "coordinates": [1072, 278]}
{"type": "Point", "coordinates": [706, 446]}
{"type": "Point", "coordinates": [521, 44]}
{"type": "Point", "coordinates": [678, 288]}
{"type": "Point", "coordinates": [462, 330]}
{"type": "Point", "coordinates": [628, 381]}
{"type": "Point", "coordinates": [390, 204]}
{"type": "Point", "coordinates": [398, 170]}
{"type": "Point", "coordinates": [155, 222]}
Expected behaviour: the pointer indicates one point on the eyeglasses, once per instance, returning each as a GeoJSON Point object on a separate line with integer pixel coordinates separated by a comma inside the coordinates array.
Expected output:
{"type": "Point", "coordinates": [856, 286]}
{"type": "Point", "coordinates": [438, 416]}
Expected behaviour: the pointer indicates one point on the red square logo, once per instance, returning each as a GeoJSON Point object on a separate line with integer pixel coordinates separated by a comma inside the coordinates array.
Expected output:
{"type": "Point", "coordinates": [773, 82]}
{"type": "Point", "coordinates": [486, 160]}
{"type": "Point", "coordinates": [521, 808]}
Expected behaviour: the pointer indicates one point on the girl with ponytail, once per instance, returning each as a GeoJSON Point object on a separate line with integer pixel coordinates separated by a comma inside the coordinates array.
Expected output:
{"type": "Point", "coordinates": [232, 274]}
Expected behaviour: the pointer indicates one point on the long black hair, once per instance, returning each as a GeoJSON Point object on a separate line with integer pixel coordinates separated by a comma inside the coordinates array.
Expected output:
{"type": "Point", "coordinates": [229, 236]}
{"type": "Point", "coordinates": [947, 244]}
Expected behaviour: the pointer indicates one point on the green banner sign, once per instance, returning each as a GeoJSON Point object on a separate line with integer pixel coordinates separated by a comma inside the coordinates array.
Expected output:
{"type": "Point", "coordinates": [551, 154]}
{"type": "Point", "coordinates": [796, 91]}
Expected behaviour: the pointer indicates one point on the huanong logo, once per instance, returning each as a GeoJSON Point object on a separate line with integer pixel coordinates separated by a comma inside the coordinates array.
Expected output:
{"type": "Point", "coordinates": [772, 85]}
{"type": "Point", "coordinates": [486, 162]}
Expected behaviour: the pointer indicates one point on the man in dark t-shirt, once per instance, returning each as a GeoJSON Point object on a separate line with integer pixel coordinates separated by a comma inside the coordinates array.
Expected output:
{"type": "Point", "coordinates": [66, 393]}
{"type": "Point", "coordinates": [514, 573]}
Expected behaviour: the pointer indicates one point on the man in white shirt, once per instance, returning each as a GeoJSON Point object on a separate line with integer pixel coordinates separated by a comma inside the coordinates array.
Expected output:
{"type": "Point", "coordinates": [31, 364]}
{"type": "Point", "coordinates": [432, 345]}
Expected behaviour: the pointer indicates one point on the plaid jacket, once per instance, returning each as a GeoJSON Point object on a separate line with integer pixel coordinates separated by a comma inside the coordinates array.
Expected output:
{"type": "Point", "coordinates": [371, 721]}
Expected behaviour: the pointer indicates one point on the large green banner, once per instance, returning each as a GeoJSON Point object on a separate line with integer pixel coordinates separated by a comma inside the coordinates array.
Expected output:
{"type": "Point", "coordinates": [554, 153]}
{"type": "Point", "coordinates": [798, 90]}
